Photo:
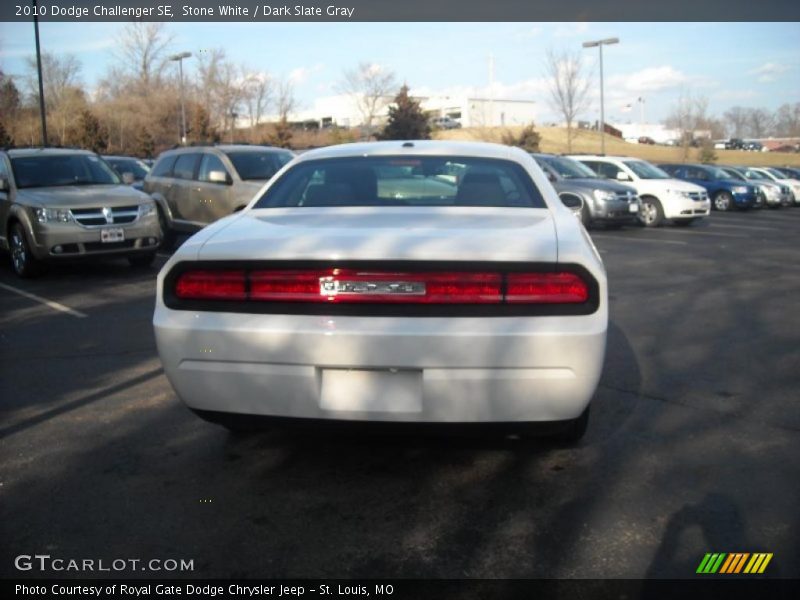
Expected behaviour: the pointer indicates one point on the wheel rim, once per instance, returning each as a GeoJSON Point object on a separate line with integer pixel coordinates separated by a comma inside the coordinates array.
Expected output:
{"type": "Point", "coordinates": [648, 213]}
{"type": "Point", "coordinates": [18, 254]}
{"type": "Point", "coordinates": [722, 202]}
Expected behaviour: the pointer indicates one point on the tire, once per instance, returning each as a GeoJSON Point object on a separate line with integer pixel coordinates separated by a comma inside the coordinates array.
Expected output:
{"type": "Point", "coordinates": [684, 222]}
{"type": "Point", "coordinates": [25, 264]}
{"type": "Point", "coordinates": [167, 235]}
{"type": "Point", "coordinates": [575, 430]}
{"type": "Point", "coordinates": [652, 214]}
{"type": "Point", "coordinates": [723, 201]}
{"type": "Point", "coordinates": [141, 261]}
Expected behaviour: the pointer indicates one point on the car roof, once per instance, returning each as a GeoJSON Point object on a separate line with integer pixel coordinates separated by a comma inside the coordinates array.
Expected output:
{"type": "Point", "coordinates": [416, 148]}
{"type": "Point", "coordinates": [120, 157]}
{"type": "Point", "coordinates": [604, 157]}
{"type": "Point", "coordinates": [226, 148]}
{"type": "Point", "coordinates": [19, 152]}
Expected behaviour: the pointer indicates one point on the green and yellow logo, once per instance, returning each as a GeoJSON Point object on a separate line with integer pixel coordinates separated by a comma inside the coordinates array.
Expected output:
{"type": "Point", "coordinates": [734, 563]}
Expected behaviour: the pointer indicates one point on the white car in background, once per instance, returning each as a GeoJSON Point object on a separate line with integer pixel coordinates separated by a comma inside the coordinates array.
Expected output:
{"type": "Point", "coordinates": [780, 178]}
{"type": "Point", "coordinates": [399, 282]}
{"type": "Point", "coordinates": [662, 196]}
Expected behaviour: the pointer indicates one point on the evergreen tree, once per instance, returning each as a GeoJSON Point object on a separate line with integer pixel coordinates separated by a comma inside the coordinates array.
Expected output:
{"type": "Point", "coordinates": [406, 119]}
{"type": "Point", "coordinates": [5, 138]}
{"type": "Point", "coordinates": [200, 129]}
{"type": "Point", "coordinates": [145, 145]}
{"type": "Point", "coordinates": [281, 135]}
{"type": "Point", "coordinates": [91, 133]}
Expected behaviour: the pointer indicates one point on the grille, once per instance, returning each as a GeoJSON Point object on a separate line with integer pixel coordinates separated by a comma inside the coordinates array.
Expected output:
{"type": "Point", "coordinates": [697, 196]}
{"type": "Point", "coordinates": [626, 196]}
{"type": "Point", "coordinates": [96, 217]}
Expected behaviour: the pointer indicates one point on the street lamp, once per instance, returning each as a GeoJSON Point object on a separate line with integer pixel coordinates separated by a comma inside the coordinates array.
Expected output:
{"type": "Point", "coordinates": [179, 58]}
{"type": "Point", "coordinates": [600, 44]}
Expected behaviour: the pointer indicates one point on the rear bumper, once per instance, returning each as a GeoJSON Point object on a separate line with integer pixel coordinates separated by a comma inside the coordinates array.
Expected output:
{"type": "Point", "coordinates": [390, 369]}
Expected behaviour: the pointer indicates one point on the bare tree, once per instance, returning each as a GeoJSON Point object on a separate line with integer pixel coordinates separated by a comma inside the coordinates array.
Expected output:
{"type": "Point", "coordinates": [257, 92]}
{"type": "Point", "coordinates": [143, 53]}
{"type": "Point", "coordinates": [736, 120]}
{"type": "Point", "coordinates": [569, 87]}
{"type": "Point", "coordinates": [371, 87]}
{"type": "Point", "coordinates": [759, 121]}
{"type": "Point", "coordinates": [689, 115]}
{"type": "Point", "coordinates": [787, 120]}
{"type": "Point", "coordinates": [285, 99]}
{"type": "Point", "coordinates": [58, 75]}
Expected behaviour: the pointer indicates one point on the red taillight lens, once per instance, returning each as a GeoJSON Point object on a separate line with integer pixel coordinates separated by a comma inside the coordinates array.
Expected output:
{"type": "Point", "coordinates": [546, 288]}
{"type": "Point", "coordinates": [211, 285]}
{"type": "Point", "coordinates": [343, 286]}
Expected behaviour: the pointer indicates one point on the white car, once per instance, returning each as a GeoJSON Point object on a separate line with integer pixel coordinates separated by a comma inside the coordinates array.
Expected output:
{"type": "Point", "coordinates": [414, 282]}
{"type": "Point", "coordinates": [662, 196]}
{"type": "Point", "coordinates": [781, 179]}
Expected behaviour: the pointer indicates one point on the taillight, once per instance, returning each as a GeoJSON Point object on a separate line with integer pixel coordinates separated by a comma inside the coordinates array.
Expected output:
{"type": "Point", "coordinates": [211, 285]}
{"type": "Point", "coordinates": [343, 286]}
{"type": "Point", "coordinates": [546, 288]}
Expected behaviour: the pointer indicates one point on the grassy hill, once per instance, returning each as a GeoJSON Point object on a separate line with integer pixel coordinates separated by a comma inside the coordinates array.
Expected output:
{"type": "Point", "coordinates": [554, 139]}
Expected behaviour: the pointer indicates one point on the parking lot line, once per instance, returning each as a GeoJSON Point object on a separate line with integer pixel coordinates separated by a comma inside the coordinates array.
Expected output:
{"type": "Point", "coordinates": [638, 239]}
{"type": "Point", "coordinates": [45, 301]}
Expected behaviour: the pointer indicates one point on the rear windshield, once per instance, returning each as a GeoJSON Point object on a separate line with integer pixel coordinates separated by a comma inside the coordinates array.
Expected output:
{"type": "Point", "coordinates": [258, 165]}
{"type": "Point", "coordinates": [404, 181]}
{"type": "Point", "coordinates": [61, 169]}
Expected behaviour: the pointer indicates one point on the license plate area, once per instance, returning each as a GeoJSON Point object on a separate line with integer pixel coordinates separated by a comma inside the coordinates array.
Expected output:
{"type": "Point", "coordinates": [633, 207]}
{"type": "Point", "coordinates": [116, 234]}
{"type": "Point", "coordinates": [377, 391]}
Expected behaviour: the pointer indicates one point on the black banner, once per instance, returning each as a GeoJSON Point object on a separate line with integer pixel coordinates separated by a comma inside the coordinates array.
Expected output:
{"type": "Point", "coordinates": [266, 11]}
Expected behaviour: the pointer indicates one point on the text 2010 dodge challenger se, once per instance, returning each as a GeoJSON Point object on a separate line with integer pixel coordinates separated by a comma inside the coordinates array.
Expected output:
{"type": "Point", "coordinates": [422, 282]}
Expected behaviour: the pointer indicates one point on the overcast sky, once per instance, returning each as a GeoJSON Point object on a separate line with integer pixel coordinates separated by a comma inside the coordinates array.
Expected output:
{"type": "Point", "coordinates": [746, 64]}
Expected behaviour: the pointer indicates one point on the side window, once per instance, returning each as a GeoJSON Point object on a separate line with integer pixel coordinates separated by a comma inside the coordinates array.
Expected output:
{"type": "Point", "coordinates": [607, 170]}
{"type": "Point", "coordinates": [184, 166]}
{"type": "Point", "coordinates": [208, 163]}
{"type": "Point", "coordinates": [163, 168]}
{"type": "Point", "coordinates": [3, 169]}
{"type": "Point", "coordinates": [694, 173]}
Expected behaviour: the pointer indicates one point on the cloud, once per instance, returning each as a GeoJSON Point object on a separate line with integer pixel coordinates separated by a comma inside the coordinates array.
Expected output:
{"type": "Point", "coordinates": [769, 72]}
{"type": "Point", "coordinates": [651, 79]}
{"type": "Point", "coordinates": [301, 75]}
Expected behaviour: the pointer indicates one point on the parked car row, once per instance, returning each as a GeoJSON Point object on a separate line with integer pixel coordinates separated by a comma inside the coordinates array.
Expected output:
{"type": "Point", "coordinates": [61, 203]}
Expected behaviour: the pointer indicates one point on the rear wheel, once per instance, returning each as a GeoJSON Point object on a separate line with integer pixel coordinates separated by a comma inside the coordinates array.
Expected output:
{"type": "Point", "coordinates": [723, 201]}
{"type": "Point", "coordinates": [652, 214]}
{"type": "Point", "coordinates": [22, 259]}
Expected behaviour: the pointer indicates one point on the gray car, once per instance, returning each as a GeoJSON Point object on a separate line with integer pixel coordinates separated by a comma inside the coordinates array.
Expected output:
{"type": "Point", "coordinates": [197, 185]}
{"type": "Point", "coordinates": [603, 201]}
{"type": "Point", "coordinates": [58, 204]}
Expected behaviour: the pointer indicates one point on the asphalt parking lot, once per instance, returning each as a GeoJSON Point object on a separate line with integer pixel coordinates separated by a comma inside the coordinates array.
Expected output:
{"type": "Point", "coordinates": [693, 446]}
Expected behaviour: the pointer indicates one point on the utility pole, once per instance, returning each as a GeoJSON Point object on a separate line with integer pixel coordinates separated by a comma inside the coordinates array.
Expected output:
{"type": "Point", "coordinates": [600, 44]}
{"type": "Point", "coordinates": [179, 58]}
{"type": "Point", "coordinates": [39, 72]}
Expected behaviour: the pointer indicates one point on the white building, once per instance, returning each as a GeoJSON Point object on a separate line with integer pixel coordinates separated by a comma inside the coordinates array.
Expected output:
{"type": "Point", "coordinates": [342, 110]}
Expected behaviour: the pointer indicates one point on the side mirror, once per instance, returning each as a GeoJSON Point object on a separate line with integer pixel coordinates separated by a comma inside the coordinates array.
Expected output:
{"type": "Point", "coordinates": [128, 178]}
{"type": "Point", "coordinates": [571, 201]}
{"type": "Point", "coordinates": [623, 176]}
{"type": "Point", "coordinates": [4, 187]}
{"type": "Point", "coordinates": [218, 177]}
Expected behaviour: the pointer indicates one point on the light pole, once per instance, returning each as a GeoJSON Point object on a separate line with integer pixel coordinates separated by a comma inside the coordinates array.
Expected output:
{"type": "Point", "coordinates": [42, 111]}
{"type": "Point", "coordinates": [600, 44]}
{"type": "Point", "coordinates": [179, 58]}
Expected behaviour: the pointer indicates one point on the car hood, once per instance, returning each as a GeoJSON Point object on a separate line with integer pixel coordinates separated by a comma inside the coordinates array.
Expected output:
{"type": "Point", "coordinates": [679, 185]}
{"type": "Point", "coordinates": [81, 196]}
{"type": "Point", "coordinates": [589, 184]}
{"type": "Point", "coordinates": [361, 233]}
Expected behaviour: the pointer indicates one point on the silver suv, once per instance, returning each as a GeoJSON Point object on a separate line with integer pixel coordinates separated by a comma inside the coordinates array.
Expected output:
{"type": "Point", "coordinates": [197, 185]}
{"type": "Point", "coordinates": [58, 203]}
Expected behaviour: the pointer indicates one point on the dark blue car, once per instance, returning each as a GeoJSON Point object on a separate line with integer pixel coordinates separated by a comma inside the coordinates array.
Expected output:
{"type": "Point", "coordinates": [725, 193]}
